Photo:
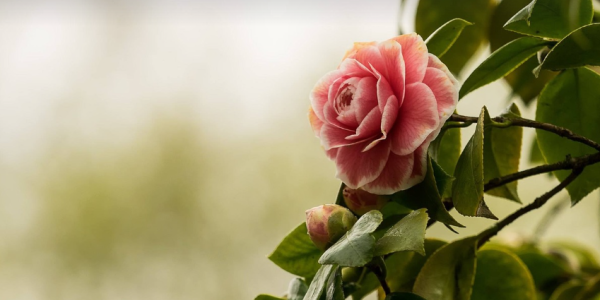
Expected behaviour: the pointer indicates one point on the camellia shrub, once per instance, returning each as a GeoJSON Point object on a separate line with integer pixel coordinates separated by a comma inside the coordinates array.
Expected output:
{"type": "Point", "coordinates": [387, 118]}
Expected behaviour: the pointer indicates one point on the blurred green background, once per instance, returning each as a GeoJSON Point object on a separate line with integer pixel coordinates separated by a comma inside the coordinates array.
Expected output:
{"type": "Point", "coordinates": [154, 150]}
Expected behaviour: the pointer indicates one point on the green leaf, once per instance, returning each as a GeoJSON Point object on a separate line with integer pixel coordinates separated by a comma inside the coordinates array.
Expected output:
{"type": "Point", "coordinates": [467, 189]}
{"type": "Point", "coordinates": [355, 248]}
{"type": "Point", "coordinates": [571, 100]}
{"type": "Point", "coordinates": [402, 270]}
{"type": "Point", "coordinates": [449, 273]}
{"type": "Point", "coordinates": [335, 291]}
{"type": "Point", "coordinates": [545, 270]}
{"type": "Point", "coordinates": [402, 276]}
{"type": "Point", "coordinates": [297, 289]}
{"type": "Point", "coordinates": [502, 62]}
{"type": "Point", "coordinates": [431, 14]}
{"type": "Point", "coordinates": [403, 296]}
{"type": "Point", "coordinates": [586, 257]}
{"type": "Point", "coordinates": [522, 80]}
{"type": "Point", "coordinates": [444, 37]}
{"type": "Point", "coordinates": [267, 297]}
{"type": "Point", "coordinates": [297, 254]}
{"type": "Point", "coordinates": [317, 285]}
{"type": "Point", "coordinates": [443, 181]}
{"type": "Point", "coordinates": [551, 19]}
{"type": "Point", "coordinates": [426, 195]}
{"type": "Point", "coordinates": [406, 235]}
{"type": "Point", "coordinates": [501, 154]}
{"type": "Point", "coordinates": [580, 48]}
{"type": "Point", "coordinates": [445, 149]}
{"type": "Point", "coordinates": [502, 275]}
{"type": "Point", "coordinates": [567, 291]}
{"type": "Point", "coordinates": [535, 154]}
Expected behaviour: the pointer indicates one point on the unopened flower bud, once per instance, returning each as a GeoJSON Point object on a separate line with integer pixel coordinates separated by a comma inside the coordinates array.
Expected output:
{"type": "Point", "coordinates": [328, 223]}
{"type": "Point", "coordinates": [361, 202]}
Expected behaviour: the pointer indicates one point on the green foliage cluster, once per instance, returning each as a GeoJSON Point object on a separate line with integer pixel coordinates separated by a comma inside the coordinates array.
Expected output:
{"type": "Point", "coordinates": [544, 53]}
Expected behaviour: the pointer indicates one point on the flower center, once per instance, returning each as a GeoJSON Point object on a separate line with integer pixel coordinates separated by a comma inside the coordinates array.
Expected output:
{"type": "Point", "coordinates": [345, 96]}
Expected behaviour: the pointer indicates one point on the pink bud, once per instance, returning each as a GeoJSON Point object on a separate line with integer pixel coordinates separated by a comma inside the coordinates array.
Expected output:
{"type": "Point", "coordinates": [361, 202]}
{"type": "Point", "coordinates": [328, 223]}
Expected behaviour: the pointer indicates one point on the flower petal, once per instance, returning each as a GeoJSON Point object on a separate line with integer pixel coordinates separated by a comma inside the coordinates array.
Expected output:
{"type": "Point", "coordinates": [333, 137]}
{"type": "Point", "coordinates": [315, 122]}
{"type": "Point", "coordinates": [369, 127]}
{"type": "Point", "coordinates": [414, 52]}
{"type": "Point", "coordinates": [357, 47]}
{"type": "Point", "coordinates": [320, 93]}
{"type": "Point", "coordinates": [394, 176]}
{"type": "Point", "coordinates": [370, 56]}
{"type": "Point", "coordinates": [332, 153]}
{"type": "Point", "coordinates": [418, 117]}
{"type": "Point", "coordinates": [444, 90]}
{"type": "Point", "coordinates": [330, 116]}
{"type": "Point", "coordinates": [384, 90]}
{"type": "Point", "coordinates": [394, 66]}
{"type": "Point", "coordinates": [435, 62]}
{"type": "Point", "coordinates": [390, 113]}
{"type": "Point", "coordinates": [420, 166]}
{"type": "Point", "coordinates": [365, 97]}
{"type": "Point", "coordinates": [356, 168]}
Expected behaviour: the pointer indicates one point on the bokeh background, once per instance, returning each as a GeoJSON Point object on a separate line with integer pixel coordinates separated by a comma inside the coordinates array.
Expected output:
{"type": "Point", "coordinates": [161, 149]}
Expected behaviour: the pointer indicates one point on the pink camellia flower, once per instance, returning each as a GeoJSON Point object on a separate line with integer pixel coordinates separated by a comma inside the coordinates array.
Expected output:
{"type": "Point", "coordinates": [378, 112]}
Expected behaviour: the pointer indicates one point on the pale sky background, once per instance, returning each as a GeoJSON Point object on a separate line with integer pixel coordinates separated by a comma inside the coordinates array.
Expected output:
{"type": "Point", "coordinates": [94, 74]}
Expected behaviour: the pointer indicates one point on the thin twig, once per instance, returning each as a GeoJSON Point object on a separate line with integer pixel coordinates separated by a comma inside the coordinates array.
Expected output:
{"type": "Point", "coordinates": [486, 235]}
{"type": "Point", "coordinates": [517, 121]}
{"type": "Point", "coordinates": [567, 164]}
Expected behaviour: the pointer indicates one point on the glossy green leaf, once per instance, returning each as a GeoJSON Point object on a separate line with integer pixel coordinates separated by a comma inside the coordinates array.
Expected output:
{"type": "Point", "coordinates": [317, 285]}
{"type": "Point", "coordinates": [501, 154]}
{"type": "Point", "coordinates": [502, 275]}
{"type": "Point", "coordinates": [297, 254]}
{"type": "Point", "coordinates": [440, 41]}
{"type": "Point", "coordinates": [445, 149]}
{"type": "Point", "coordinates": [571, 100]}
{"type": "Point", "coordinates": [297, 289]}
{"type": "Point", "coordinates": [545, 270]}
{"type": "Point", "coordinates": [406, 235]}
{"type": "Point", "coordinates": [402, 277]}
{"type": "Point", "coordinates": [402, 270]}
{"type": "Point", "coordinates": [426, 195]}
{"type": "Point", "coordinates": [449, 273]}
{"type": "Point", "coordinates": [467, 188]}
{"type": "Point", "coordinates": [567, 291]}
{"type": "Point", "coordinates": [580, 48]}
{"type": "Point", "coordinates": [535, 154]}
{"type": "Point", "coordinates": [355, 248]}
{"type": "Point", "coordinates": [502, 62]}
{"type": "Point", "coordinates": [443, 180]}
{"type": "Point", "coordinates": [267, 297]}
{"type": "Point", "coordinates": [335, 291]}
{"type": "Point", "coordinates": [551, 19]}
{"type": "Point", "coordinates": [403, 296]}
{"type": "Point", "coordinates": [431, 14]}
{"type": "Point", "coordinates": [395, 263]}
{"type": "Point", "coordinates": [521, 80]}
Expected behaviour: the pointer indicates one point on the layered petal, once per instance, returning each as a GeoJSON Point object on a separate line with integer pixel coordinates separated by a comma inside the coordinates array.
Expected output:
{"type": "Point", "coordinates": [369, 127]}
{"type": "Point", "coordinates": [315, 122]}
{"type": "Point", "coordinates": [334, 137]}
{"type": "Point", "coordinates": [394, 71]}
{"type": "Point", "coordinates": [393, 177]}
{"type": "Point", "coordinates": [414, 52]}
{"type": "Point", "coordinates": [384, 90]}
{"type": "Point", "coordinates": [444, 90]}
{"type": "Point", "coordinates": [370, 56]}
{"type": "Point", "coordinates": [390, 114]}
{"type": "Point", "coordinates": [330, 117]}
{"type": "Point", "coordinates": [418, 117]}
{"type": "Point", "coordinates": [435, 62]}
{"type": "Point", "coordinates": [357, 168]}
{"type": "Point", "coordinates": [365, 97]}
{"type": "Point", "coordinates": [320, 93]}
{"type": "Point", "coordinates": [419, 168]}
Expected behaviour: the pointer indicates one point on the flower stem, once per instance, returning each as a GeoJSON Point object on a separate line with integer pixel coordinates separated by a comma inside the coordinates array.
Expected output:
{"type": "Point", "coordinates": [517, 121]}
{"type": "Point", "coordinates": [486, 235]}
